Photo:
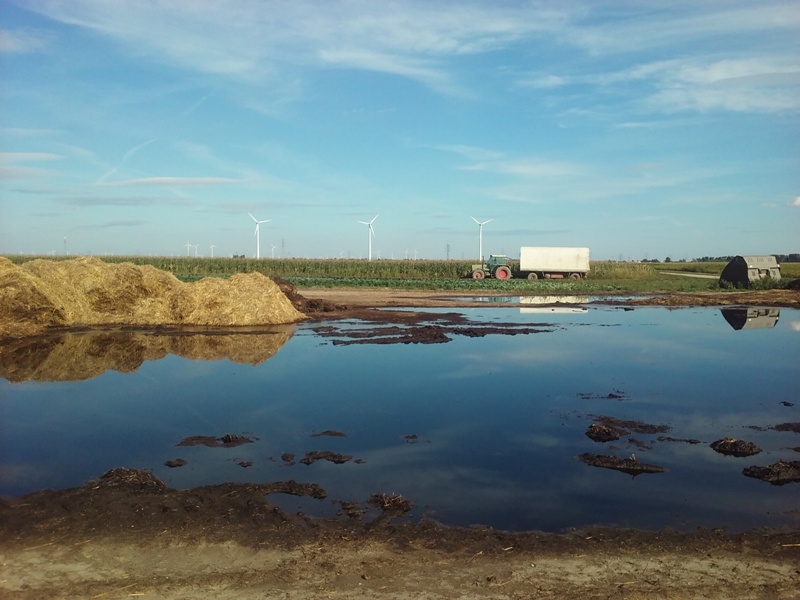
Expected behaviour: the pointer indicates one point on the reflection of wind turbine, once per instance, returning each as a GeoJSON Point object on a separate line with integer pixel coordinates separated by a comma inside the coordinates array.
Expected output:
{"type": "Point", "coordinates": [370, 233]}
{"type": "Point", "coordinates": [480, 236]}
{"type": "Point", "coordinates": [258, 235]}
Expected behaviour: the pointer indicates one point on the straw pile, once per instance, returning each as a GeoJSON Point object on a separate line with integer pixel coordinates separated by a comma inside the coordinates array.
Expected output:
{"type": "Point", "coordinates": [42, 294]}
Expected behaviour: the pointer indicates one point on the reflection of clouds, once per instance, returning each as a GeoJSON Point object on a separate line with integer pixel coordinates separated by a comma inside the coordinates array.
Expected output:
{"type": "Point", "coordinates": [794, 325]}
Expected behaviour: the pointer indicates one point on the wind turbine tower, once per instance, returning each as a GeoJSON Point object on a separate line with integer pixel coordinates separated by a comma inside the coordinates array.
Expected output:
{"type": "Point", "coordinates": [370, 233]}
{"type": "Point", "coordinates": [480, 236]}
{"type": "Point", "coordinates": [257, 234]}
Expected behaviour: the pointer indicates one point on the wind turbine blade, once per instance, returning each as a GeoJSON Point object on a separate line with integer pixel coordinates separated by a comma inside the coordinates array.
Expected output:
{"type": "Point", "coordinates": [252, 217]}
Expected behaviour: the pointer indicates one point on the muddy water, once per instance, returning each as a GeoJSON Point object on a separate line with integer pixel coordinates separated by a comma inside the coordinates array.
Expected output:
{"type": "Point", "coordinates": [486, 428]}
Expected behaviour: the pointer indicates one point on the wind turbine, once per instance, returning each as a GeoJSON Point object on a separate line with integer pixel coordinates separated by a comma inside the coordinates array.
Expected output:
{"type": "Point", "coordinates": [188, 248]}
{"type": "Point", "coordinates": [480, 236]}
{"type": "Point", "coordinates": [212, 250]}
{"type": "Point", "coordinates": [273, 250]}
{"type": "Point", "coordinates": [257, 234]}
{"type": "Point", "coordinates": [370, 233]}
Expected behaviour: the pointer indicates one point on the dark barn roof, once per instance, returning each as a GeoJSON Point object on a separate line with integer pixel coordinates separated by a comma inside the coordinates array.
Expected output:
{"type": "Point", "coordinates": [743, 270]}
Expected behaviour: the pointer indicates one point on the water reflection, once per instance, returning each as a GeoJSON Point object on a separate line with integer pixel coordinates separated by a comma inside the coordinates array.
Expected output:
{"type": "Point", "coordinates": [751, 317]}
{"type": "Point", "coordinates": [481, 430]}
{"type": "Point", "coordinates": [77, 357]}
{"type": "Point", "coordinates": [553, 304]}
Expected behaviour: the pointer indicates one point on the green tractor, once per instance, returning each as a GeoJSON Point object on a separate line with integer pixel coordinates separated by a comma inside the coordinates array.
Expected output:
{"type": "Point", "coordinates": [498, 266]}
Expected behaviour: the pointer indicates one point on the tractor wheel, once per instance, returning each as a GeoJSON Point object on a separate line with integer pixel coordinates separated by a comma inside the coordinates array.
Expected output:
{"type": "Point", "coordinates": [574, 275]}
{"type": "Point", "coordinates": [477, 274]}
{"type": "Point", "coordinates": [502, 273]}
{"type": "Point", "coordinates": [532, 275]}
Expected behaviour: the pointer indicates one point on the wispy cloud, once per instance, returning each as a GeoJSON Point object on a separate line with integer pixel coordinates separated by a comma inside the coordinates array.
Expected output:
{"type": "Point", "coordinates": [173, 182]}
{"type": "Point", "coordinates": [764, 84]}
{"type": "Point", "coordinates": [795, 202]}
{"type": "Point", "coordinates": [125, 158]}
{"type": "Point", "coordinates": [114, 224]}
{"type": "Point", "coordinates": [13, 165]}
{"type": "Point", "coordinates": [21, 42]}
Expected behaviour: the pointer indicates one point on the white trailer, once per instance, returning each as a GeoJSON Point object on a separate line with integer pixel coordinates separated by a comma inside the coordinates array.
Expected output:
{"type": "Point", "coordinates": [553, 262]}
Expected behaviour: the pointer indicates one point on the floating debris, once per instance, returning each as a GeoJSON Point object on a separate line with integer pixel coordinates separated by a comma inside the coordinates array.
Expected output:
{"type": "Point", "coordinates": [779, 473]}
{"type": "Point", "coordinates": [174, 463]}
{"type": "Point", "coordinates": [288, 458]}
{"type": "Point", "coordinates": [393, 503]}
{"type": "Point", "coordinates": [734, 447]}
{"type": "Point", "coordinates": [245, 463]}
{"type": "Point", "coordinates": [131, 478]}
{"type": "Point", "coordinates": [631, 466]}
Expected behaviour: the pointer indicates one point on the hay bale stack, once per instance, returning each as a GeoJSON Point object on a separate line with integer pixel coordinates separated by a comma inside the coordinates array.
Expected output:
{"type": "Point", "coordinates": [44, 294]}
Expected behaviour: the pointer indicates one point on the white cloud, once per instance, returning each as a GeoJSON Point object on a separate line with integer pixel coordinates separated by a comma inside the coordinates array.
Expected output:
{"type": "Point", "coordinates": [796, 201]}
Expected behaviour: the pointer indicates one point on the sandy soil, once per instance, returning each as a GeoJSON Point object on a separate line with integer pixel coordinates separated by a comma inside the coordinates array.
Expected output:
{"type": "Point", "coordinates": [128, 536]}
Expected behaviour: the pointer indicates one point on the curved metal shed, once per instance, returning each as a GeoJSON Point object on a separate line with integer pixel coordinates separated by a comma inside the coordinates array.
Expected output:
{"type": "Point", "coordinates": [743, 270]}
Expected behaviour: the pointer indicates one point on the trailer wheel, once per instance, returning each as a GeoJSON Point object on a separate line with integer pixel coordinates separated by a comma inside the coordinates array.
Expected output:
{"type": "Point", "coordinates": [532, 275]}
{"type": "Point", "coordinates": [477, 274]}
{"type": "Point", "coordinates": [502, 273]}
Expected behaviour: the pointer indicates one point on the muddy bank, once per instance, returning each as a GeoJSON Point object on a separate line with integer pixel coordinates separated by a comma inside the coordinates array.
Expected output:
{"type": "Point", "coordinates": [128, 535]}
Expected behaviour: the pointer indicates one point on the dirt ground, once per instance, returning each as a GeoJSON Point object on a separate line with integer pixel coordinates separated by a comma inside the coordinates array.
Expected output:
{"type": "Point", "coordinates": [126, 535]}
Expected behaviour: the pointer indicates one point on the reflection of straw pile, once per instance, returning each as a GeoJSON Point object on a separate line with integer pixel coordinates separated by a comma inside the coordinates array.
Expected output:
{"type": "Point", "coordinates": [75, 357]}
{"type": "Point", "coordinates": [43, 294]}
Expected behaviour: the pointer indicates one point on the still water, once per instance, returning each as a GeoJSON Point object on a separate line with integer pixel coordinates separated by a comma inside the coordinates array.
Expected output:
{"type": "Point", "coordinates": [479, 430]}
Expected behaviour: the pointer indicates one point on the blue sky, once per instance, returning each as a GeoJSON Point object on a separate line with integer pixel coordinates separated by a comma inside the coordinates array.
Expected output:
{"type": "Point", "coordinates": [638, 129]}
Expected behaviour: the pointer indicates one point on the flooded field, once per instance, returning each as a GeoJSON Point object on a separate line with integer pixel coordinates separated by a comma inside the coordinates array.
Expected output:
{"type": "Point", "coordinates": [492, 416]}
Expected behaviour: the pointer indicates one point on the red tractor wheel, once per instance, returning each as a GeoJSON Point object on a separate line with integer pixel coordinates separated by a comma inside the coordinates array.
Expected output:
{"type": "Point", "coordinates": [502, 273]}
{"type": "Point", "coordinates": [477, 274]}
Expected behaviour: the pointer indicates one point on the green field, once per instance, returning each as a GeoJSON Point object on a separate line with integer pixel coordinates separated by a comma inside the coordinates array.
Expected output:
{"type": "Point", "coordinates": [605, 276]}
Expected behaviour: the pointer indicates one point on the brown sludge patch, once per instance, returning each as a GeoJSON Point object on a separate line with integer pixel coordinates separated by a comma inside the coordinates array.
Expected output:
{"type": "Point", "coordinates": [631, 466]}
{"type": "Point", "coordinates": [779, 473]}
{"type": "Point", "coordinates": [329, 433]}
{"type": "Point", "coordinates": [794, 427]}
{"type": "Point", "coordinates": [333, 457]}
{"type": "Point", "coordinates": [602, 433]}
{"type": "Point", "coordinates": [734, 447]}
{"type": "Point", "coordinates": [229, 440]}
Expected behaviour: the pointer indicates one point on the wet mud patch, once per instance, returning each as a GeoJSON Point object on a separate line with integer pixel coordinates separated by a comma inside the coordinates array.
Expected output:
{"type": "Point", "coordinates": [334, 457]}
{"type": "Point", "coordinates": [793, 427]}
{"type": "Point", "coordinates": [612, 395]}
{"type": "Point", "coordinates": [602, 433]}
{"type": "Point", "coordinates": [734, 447]}
{"type": "Point", "coordinates": [229, 440]}
{"type": "Point", "coordinates": [423, 328]}
{"type": "Point", "coordinates": [390, 503]}
{"type": "Point", "coordinates": [632, 466]}
{"type": "Point", "coordinates": [330, 433]}
{"type": "Point", "coordinates": [667, 438]}
{"type": "Point", "coordinates": [779, 473]}
{"type": "Point", "coordinates": [609, 429]}
{"type": "Point", "coordinates": [175, 463]}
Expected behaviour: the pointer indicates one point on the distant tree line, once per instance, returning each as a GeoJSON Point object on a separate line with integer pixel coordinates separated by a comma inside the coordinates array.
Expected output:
{"type": "Point", "coordinates": [781, 258]}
